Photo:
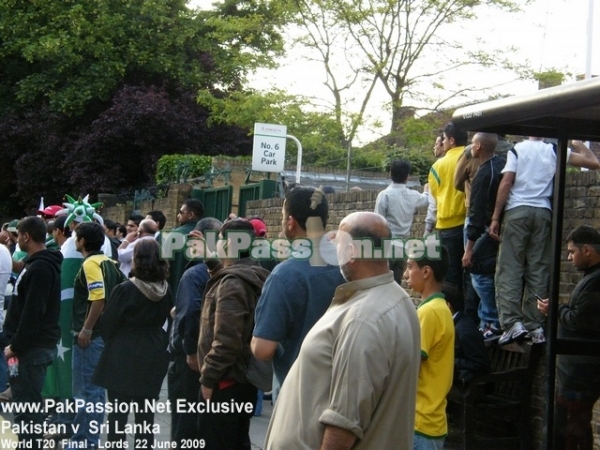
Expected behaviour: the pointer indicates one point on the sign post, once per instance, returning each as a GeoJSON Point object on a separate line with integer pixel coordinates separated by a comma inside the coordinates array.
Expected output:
{"type": "Point", "coordinates": [268, 150]}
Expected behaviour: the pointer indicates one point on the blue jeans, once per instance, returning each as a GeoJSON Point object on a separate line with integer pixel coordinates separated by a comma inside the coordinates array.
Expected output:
{"type": "Point", "coordinates": [453, 240]}
{"type": "Point", "coordinates": [27, 389]}
{"type": "Point", "coordinates": [423, 443]}
{"type": "Point", "coordinates": [487, 311]}
{"type": "Point", "coordinates": [84, 364]}
{"type": "Point", "coordinates": [259, 403]}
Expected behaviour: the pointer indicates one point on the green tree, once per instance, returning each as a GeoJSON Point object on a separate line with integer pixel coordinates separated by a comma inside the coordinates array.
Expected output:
{"type": "Point", "coordinates": [365, 42]}
{"type": "Point", "coordinates": [71, 53]}
{"type": "Point", "coordinates": [93, 92]}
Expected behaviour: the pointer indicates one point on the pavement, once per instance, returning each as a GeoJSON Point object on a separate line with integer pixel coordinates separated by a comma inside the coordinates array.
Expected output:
{"type": "Point", "coordinates": [258, 427]}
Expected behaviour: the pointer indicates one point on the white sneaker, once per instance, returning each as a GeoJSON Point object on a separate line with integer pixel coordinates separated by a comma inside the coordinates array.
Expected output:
{"type": "Point", "coordinates": [537, 336]}
{"type": "Point", "coordinates": [515, 333]}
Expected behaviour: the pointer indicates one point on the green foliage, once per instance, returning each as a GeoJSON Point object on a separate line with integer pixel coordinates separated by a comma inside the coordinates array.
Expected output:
{"type": "Point", "coordinates": [72, 53]}
{"type": "Point", "coordinates": [421, 132]}
{"type": "Point", "coordinates": [176, 168]}
{"type": "Point", "coordinates": [368, 160]}
{"type": "Point", "coordinates": [550, 77]}
{"type": "Point", "coordinates": [421, 160]}
{"type": "Point", "coordinates": [319, 133]}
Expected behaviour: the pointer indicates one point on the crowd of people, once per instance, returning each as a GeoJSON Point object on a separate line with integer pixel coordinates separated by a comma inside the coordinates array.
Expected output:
{"type": "Point", "coordinates": [100, 315]}
{"type": "Point", "coordinates": [491, 202]}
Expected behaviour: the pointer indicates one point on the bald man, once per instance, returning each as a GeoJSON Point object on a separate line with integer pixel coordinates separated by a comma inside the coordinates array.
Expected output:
{"type": "Point", "coordinates": [354, 382]}
{"type": "Point", "coordinates": [146, 230]}
{"type": "Point", "coordinates": [481, 207]}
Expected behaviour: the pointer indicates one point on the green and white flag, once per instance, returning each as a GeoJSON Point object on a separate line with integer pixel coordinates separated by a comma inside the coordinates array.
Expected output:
{"type": "Point", "coordinates": [58, 383]}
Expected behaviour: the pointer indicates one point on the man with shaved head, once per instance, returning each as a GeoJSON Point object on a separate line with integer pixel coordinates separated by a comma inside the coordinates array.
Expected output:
{"type": "Point", "coordinates": [361, 359]}
{"type": "Point", "coordinates": [481, 207]}
{"type": "Point", "coordinates": [146, 229]}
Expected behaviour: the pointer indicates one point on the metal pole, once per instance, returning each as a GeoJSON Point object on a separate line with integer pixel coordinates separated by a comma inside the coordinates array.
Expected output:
{"type": "Point", "coordinates": [590, 40]}
{"type": "Point", "coordinates": [556, 240]}
{"type": "Point", "coordinates": [299, 159]}
{"type": "Point", "coordinates": [348, 168]}
{"type": "Point", "coordinates": [589, 48]}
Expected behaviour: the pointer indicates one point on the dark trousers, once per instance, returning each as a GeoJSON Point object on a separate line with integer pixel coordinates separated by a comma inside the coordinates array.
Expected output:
{"type": "Point", "coordinates": [183, 383]}
{"type": "Point", "coordinates": [228, 431]}
{"type": "Point", "coordinates": [452, 239]}
{"type": "Point", "coordinates": [572, 421]}
{"type": "Point", "coordinates": [118, 419]}
{"type": "Point", "coordinates": [27, 389]}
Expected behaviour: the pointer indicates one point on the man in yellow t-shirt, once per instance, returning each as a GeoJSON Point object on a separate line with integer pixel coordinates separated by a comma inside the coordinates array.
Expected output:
{"type": "Point", "coordinates": [449, 202]}
{"type": "Point", "coordinates": [425, 276]}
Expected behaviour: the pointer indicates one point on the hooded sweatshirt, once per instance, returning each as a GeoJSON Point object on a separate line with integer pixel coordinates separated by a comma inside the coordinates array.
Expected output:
{"type": "Point", "coordinates": [227, 321]}
{"type": "Point", "coordinates": [154, 291]}
{"type": "Point", "coordinates": [32, 318]}
{"type": "Point", "coordinates": [135, 358]}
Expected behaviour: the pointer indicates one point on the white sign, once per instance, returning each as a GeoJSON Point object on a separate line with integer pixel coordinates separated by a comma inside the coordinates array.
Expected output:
{"type": "Point", "coordinates": [268, 151]}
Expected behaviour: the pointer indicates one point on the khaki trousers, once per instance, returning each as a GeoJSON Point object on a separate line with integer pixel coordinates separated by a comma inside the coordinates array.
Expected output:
{"type": "Point", "coordinates": [523, 266]}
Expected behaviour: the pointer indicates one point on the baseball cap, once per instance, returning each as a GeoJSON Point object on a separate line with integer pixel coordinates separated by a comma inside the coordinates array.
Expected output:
{"type": "Point", "coordinates": [50, 210]}
{"type": "Point", "coordinates": [12, 226]}
{"type": "Point", "coordinates": [260, 229]}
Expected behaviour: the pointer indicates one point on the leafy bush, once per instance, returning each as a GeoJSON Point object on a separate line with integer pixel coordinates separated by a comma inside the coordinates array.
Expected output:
{"type": "Point", "coordinates": [421, 160]}
{"type": "Point", "coordinates": [177, 168]}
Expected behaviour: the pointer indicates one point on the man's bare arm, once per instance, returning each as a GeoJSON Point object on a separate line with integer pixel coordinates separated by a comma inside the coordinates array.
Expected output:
{"type": "Point", "coordinates": [508, 180]}
{"type": "Point", "coordinates": [85, 335]}
{"type": "Point", "coordinates": [581, 156]}
{"type": "Point", "coordinates": [337, 439]}
{"type": "Point", "coordinates": [263, 349]}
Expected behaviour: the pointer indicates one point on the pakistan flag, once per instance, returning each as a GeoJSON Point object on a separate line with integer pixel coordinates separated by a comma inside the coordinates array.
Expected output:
{"type": "Point", "coordinates": [58, 377]}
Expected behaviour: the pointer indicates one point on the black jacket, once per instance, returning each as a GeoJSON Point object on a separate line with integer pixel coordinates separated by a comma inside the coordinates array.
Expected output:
{"type": "Point", "coordinates": [32, 318]}
{"type": "Point", "coordinates": [580, 319]}
{"type": "Point", "coordinates": [483, 196]}
{"type": "Point", "coordinates": [134, 360]}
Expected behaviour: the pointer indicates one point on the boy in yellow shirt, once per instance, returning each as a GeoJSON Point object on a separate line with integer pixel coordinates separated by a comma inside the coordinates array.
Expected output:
{"type": "Point", "coordinates": [425, 275]}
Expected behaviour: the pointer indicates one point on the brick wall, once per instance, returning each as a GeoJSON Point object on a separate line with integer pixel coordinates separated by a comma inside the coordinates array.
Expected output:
{"type": "Point", "coordinates": [340, 205]}
{"type": "Point", "coordinates": [169, 205]}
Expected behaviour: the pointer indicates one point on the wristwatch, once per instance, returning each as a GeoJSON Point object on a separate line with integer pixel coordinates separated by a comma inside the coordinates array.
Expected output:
{"type": "Point", "coordinates": [86, 331]}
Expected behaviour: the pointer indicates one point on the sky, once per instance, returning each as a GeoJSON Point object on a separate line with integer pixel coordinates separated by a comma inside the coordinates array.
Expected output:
{"type": "Point", "coordinates": [547, 34]}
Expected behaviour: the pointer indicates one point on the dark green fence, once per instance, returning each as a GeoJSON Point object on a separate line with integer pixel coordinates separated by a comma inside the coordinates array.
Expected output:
{"type": "Point", "coordinates": [217, 201]}
{"type": "Point", "coordinates": [255, 191]}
